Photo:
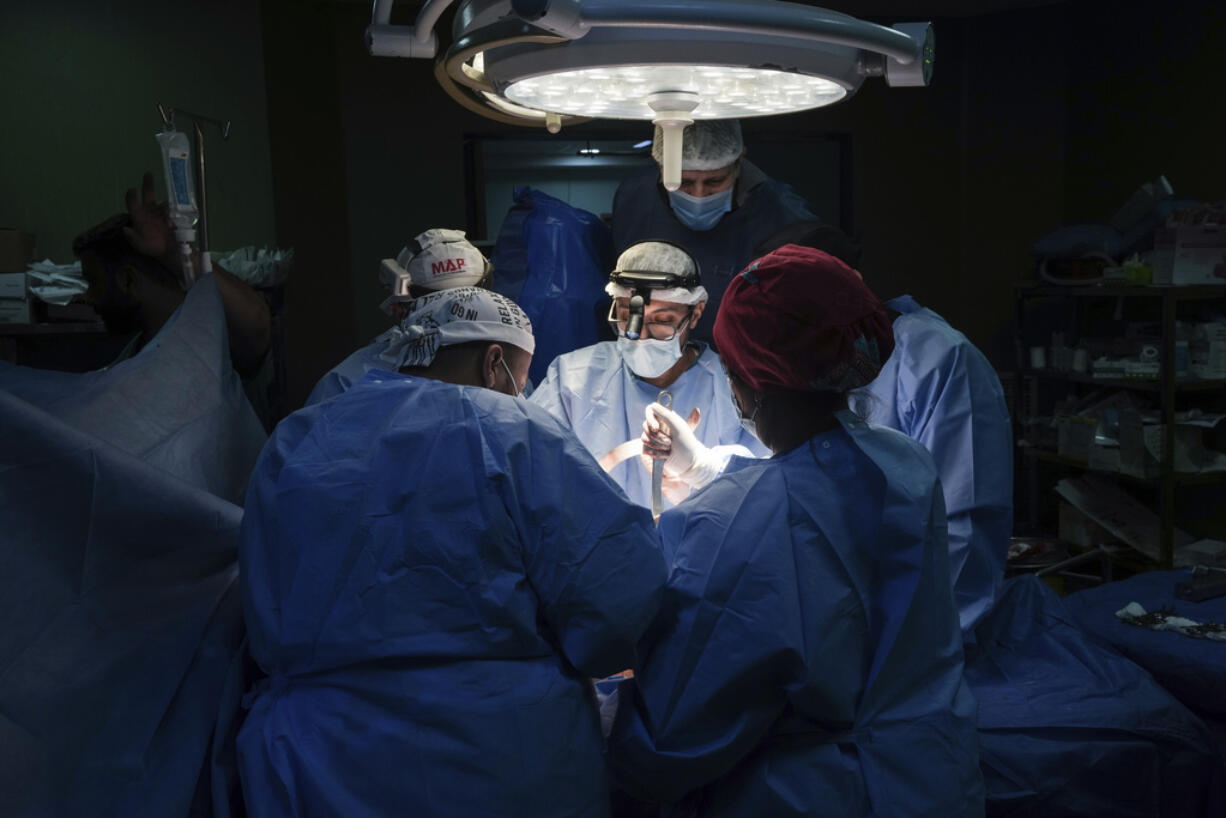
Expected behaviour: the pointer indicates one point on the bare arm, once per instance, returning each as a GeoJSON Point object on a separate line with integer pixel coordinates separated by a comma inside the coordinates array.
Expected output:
{"type": "Point", "coordinates": [248, 320]}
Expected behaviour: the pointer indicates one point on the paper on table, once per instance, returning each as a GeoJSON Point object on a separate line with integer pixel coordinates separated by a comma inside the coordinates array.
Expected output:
{"type": "Point", "coordinates": [1195, 417]}
{"type": "Point", "coordinates": [59, 282]}
{"type": "Point", "coordinates": [1201, 552]}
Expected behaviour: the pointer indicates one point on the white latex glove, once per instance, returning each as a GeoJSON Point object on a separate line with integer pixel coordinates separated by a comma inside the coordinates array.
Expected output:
{"type": "Point", "coordinates": [668, 436]}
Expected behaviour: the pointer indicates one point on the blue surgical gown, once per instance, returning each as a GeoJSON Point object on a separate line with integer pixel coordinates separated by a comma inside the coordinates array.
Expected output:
{"type": "Point", "coordinates": [431, 573]}
{"type": "Point", "coordinates": [121, 653]}
{"type": "Point", "coordinates": [350, 371]}
{"type": "Point", "coordinates": [177, 405]}
{"type": "Point", "coordinates": [592, 391]}
{"type": "Point", "coordinates": [807, 658]}
{"type": "Point", "coordinates": [641, 212]}
{"type": "Point", "coordinates": [939, 389]}
{"type": "Point", "coordinates": [553, 260]}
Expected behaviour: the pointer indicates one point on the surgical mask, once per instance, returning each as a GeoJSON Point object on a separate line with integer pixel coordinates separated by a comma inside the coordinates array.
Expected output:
{"type": "Point", "coordinates": [647, 357]}
{"type": "Point", "coordinates": [700, 212]}
{"type": "Point", "coordinates": [749, 424]}
{"type": "Point", "coordinates": [514, 385]}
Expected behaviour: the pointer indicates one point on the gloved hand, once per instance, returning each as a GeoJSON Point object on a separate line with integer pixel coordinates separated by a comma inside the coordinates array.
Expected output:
{"type": "Point", "coordinates": [672, 488]}
{"type": "Point", "coordinates": [668, 436]}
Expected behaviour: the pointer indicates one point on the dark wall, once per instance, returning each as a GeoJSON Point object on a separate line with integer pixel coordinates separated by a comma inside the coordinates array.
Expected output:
{"type": "Point", "coordinates": [1146, 83]}
{"type": "Point", "coordinates": [312, 191]}
{"type": "Point", "coordinates": [1036, 118]}
{"type": "Point", "coordinates": [1014, 126]}
{"type": "Point", "coordinates": [404, 154]}
{"type": "Point", "coordinates": [950, 183]}
{"type": "Point", "coordinates": [81, 79]}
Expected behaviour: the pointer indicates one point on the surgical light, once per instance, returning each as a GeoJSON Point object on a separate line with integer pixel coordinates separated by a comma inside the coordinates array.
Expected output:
{"type": "Point", "coordinates": [559, 62]}
{"type": "Point", "coordinates": [721, 92]}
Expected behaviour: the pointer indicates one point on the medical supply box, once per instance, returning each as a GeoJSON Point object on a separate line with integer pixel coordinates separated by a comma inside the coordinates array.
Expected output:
{"type": "Point", "coordinates": [1190, 254]}
{"type": "Point", "coordinates": [16, 250]}
{"type": "Point", "coordinates": [14, 306]}
{"type": "Point", "coordinates": [13, 285]}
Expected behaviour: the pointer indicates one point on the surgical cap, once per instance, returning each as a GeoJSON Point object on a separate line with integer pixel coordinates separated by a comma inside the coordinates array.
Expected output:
{"type": "Point", "coordinates": [456, 316]}
{"type": "Point", "coordinates": [435, 260]}
{"type": "Point", "coordinates": [801, 320]}
{"type": "Point", "coordinates": [708, 144]}
{"type": "Point", "coordinates": [658, 257]}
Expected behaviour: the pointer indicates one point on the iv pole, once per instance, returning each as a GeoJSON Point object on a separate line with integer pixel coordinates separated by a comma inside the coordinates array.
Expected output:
{"type": "Point", "coordinates": [202, 222]}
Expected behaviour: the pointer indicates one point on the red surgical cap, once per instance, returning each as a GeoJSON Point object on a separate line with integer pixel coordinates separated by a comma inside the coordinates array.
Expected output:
{"type": "Point", "coordinates": [803, 321]}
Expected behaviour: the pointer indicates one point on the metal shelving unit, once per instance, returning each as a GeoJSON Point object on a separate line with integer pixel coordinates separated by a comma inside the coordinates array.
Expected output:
{"type": "Point", "coordinates": [1166, 387]}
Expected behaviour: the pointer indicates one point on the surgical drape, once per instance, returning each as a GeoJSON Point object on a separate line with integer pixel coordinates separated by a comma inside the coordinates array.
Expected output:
{"type": "Point", "coordinates": [121, 656]}
{"type": "Point", "coordinates": [177, 405]}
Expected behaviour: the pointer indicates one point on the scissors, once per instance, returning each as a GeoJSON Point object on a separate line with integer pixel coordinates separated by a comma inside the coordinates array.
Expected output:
{"type": "Point", "coordinates": [665, 399]}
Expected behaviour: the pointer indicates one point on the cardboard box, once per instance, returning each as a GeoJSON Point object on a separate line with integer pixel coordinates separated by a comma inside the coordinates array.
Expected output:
{"type": "Point", "coordinates": [14, 311]}
{"type": "Point", "coordinates": [1136, 458]}
{"type": "Point", "coordinates": [1104, 458]}
{"type": "Point", "coordinates": [1075, 436]}
{"type": "Point", "coordinates": [16, 250]}
{"type": "Point", "coordinates": [1190, 254]}
{"type": "Point", "coordinates": [1077, 529]}
{"type": "Point", "coordinates": [12, 285]}
{"type": "Point", "coordinates": [1207, 351]}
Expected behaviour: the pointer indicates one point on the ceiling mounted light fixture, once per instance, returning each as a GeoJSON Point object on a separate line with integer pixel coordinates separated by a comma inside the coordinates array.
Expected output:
{"type": "Point", "coordinates": [558, 62]}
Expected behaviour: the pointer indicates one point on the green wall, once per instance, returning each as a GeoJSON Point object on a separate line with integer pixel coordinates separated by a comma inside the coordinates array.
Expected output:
{"type": "Point", "coordinates": [80, 82]}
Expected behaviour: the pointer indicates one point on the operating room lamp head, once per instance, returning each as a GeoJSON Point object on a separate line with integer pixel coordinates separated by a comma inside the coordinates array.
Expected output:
{"type": "Point", "coordinates": [558, 62]}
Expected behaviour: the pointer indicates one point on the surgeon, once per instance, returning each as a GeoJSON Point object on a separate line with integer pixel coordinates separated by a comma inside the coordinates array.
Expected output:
{"type": "Point", "coordinates": [602, 391]}
{"type": "Point", "coordinates": [807, 658]}
{"type": "Point", "coordinates": [432, 570]}
{"type": "Point", "coordinates": [435, 260]}
{"type": "Point", "coordinates": [936, 388]}
{"type": "Point", "coordinates": [724, 207]}
{"type": "Point", "coordinates": [939, 389]}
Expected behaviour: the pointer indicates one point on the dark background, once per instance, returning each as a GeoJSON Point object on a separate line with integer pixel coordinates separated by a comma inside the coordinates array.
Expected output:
{"type": "Point", "coordinates": [1039, 115]}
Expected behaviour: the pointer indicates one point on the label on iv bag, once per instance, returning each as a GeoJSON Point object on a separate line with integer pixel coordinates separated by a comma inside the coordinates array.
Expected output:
{"type": "Point", "coordinates": [178, 179]}
{"type": "Point", "coordinates": [176, 162]}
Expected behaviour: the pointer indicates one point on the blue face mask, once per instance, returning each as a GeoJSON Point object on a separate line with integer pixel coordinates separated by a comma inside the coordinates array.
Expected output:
{"type": "Point", "coordinates": [700, 213]}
